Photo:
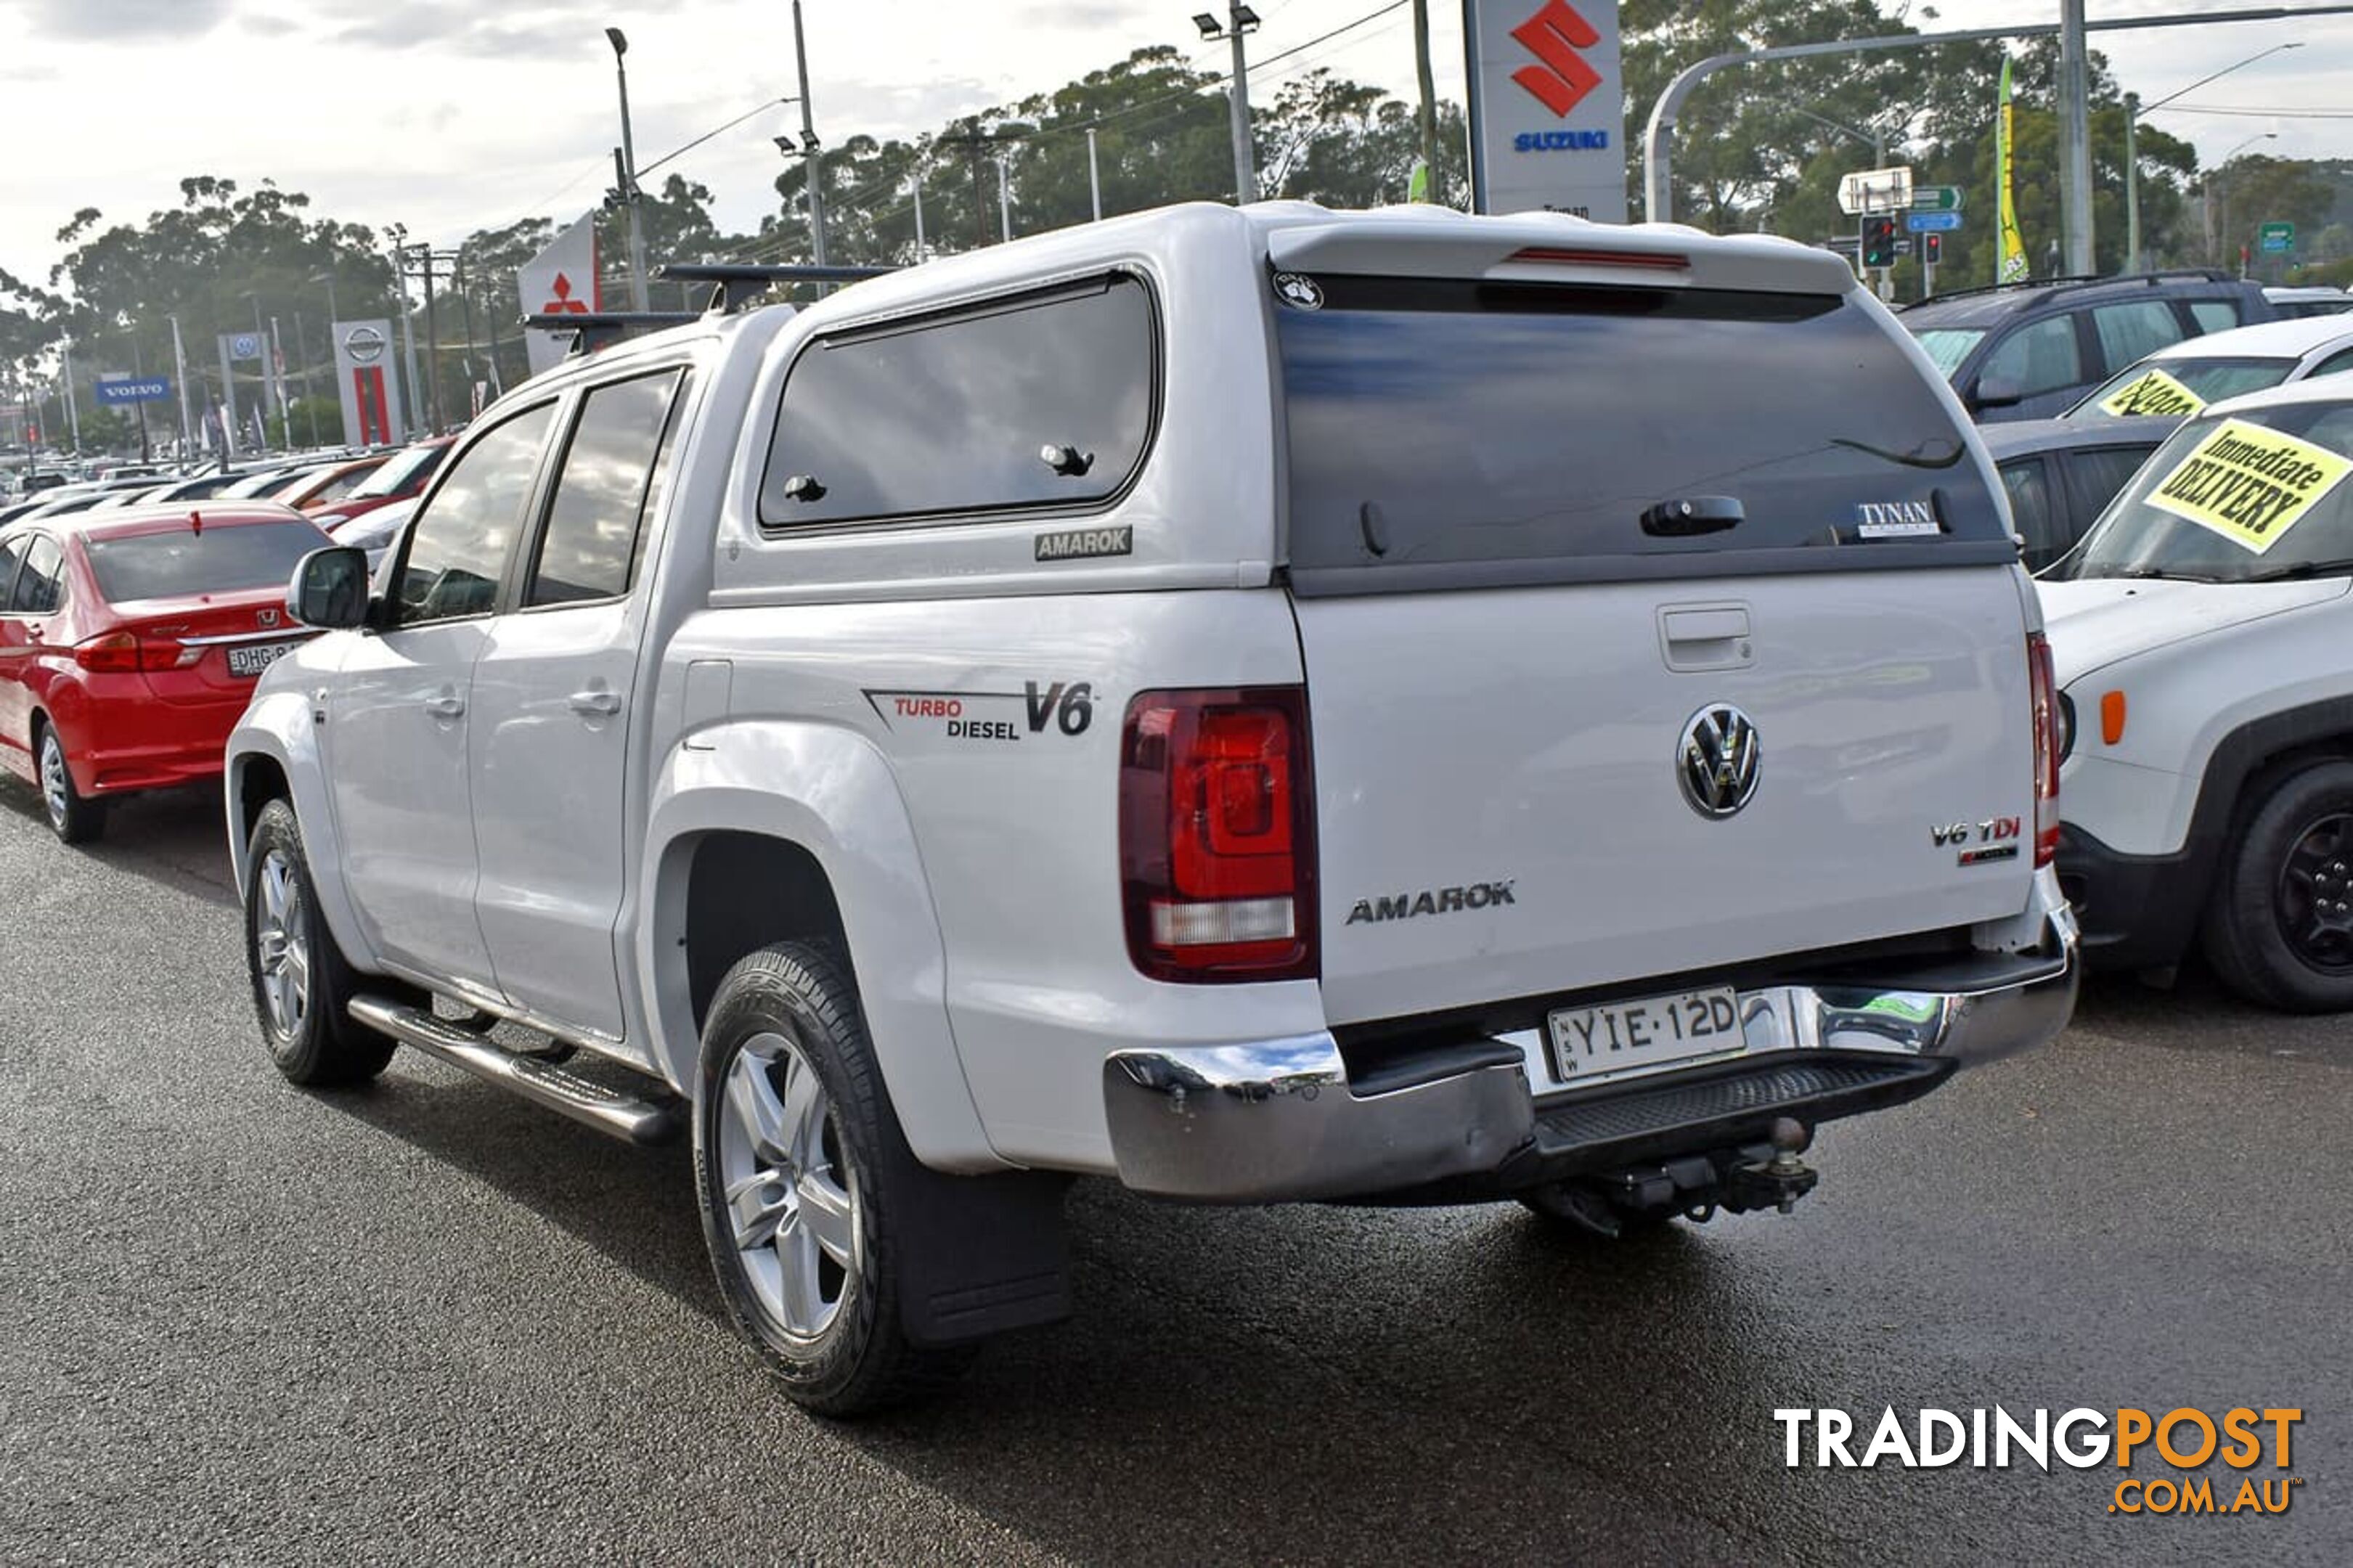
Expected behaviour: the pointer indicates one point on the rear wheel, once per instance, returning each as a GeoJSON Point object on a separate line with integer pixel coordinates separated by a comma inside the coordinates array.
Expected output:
{"type": "Point", "coordinates": [302, 985]}
{"type": "Point", "coordinates": [2279, 929]}
{"type": "Point", "coordinates": [794, 1143]}
{"type": "Point", "coordinates": [73, 816]}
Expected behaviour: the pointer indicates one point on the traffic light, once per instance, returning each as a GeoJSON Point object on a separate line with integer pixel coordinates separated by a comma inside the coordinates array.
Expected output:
{"type": "Point", "coordinates": [1879, 241]}
{"type": "Point", "coordinates": [1932, 248]}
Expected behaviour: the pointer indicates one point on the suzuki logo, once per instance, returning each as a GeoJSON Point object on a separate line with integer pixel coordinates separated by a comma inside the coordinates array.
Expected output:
{"type": "Point", "coordinates": [1719, 760]}
{"type": "Point", "coordinates": [1554, 35]}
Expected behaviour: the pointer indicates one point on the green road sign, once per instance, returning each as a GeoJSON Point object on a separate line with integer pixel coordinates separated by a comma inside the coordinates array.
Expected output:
{"type": "Point", "coordinates": [2275, 238]}
{"type": "Point", "coordinates": [1935, 198]}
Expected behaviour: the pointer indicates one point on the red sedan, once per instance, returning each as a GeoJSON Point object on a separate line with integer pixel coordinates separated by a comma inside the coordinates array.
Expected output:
{"type": "Point", "coordinates": [404, 475]}
{"type": "Point", "coordinates": [130, 641]}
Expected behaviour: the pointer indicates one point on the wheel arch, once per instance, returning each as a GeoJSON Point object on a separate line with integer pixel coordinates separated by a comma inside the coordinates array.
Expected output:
{"type": "Point", "coordinates": [272, 756]}
{"type": "Point", "coordinates": [776, 831]}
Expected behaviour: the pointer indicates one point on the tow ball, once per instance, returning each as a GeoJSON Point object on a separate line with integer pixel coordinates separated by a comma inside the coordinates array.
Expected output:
{"type": "Point", "coordinates": [1776, 1183]}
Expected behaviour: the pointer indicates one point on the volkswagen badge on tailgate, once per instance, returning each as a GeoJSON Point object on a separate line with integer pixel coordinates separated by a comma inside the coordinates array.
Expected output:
{"type": "Point", "coordinates": [1719, 760]}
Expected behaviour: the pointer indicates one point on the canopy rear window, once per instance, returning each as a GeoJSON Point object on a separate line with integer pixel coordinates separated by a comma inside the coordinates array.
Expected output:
{"type": "Point", "coordinates": [227, 558]}
{"type": "Point", "coordinates": [1471, 433]}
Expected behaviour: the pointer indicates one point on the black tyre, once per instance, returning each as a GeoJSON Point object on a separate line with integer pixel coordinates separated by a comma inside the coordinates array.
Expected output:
{"type": "Point", "coordinates": [73, 816]}
{"type": "Point", "coordinates": [2279, 928]}
{"type": "Point", "coordinates": [795, 1147]}
{"type": "Point", "coordinates": [1576, 1212]}
{"type": "Point", "coordinates": [302, 985]}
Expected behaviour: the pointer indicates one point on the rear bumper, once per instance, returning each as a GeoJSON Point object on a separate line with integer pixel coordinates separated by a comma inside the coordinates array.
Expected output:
{"type": "Point", "coordinates": [120, 743]}
{"type": "Point", "coordinates": [1278, 1119]}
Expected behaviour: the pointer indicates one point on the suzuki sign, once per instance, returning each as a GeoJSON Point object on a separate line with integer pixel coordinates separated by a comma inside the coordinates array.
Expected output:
{"type": "Point", "coordinates": [1548, 107]}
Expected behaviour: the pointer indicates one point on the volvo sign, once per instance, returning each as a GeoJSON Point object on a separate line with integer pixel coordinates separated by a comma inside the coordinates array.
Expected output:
{"type": "Point", "coordinates": [1548, 107]}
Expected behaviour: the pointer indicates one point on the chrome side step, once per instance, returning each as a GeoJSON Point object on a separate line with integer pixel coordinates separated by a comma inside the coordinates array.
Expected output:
{"type": "Point", "coordinates": [611, 1111]}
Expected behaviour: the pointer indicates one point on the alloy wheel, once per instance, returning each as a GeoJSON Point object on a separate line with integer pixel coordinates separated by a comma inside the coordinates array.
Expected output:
{"type": "Point", "coordinates": [791, 1191]}
{"type": "Point", "coordinates": [57, 786]}
{"type": "Point", "coordinates": [280, 945]}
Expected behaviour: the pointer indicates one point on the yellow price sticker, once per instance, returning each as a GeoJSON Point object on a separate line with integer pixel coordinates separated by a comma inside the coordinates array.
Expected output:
{"type": "Point", "coordinates": [2249, 484]}
{"type": "Point", "coordinates": [2155, 393]}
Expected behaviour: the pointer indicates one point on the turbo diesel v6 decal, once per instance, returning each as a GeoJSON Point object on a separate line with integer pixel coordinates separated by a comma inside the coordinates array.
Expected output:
{"type": "Point", "coordinates": [1003, 716]}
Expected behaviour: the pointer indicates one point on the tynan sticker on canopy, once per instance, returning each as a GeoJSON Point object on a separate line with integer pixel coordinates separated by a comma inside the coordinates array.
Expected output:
{"type": "Point", "coordinates": [2249, 484]}
{"type": "Point", "coordinates": [2155, 393]}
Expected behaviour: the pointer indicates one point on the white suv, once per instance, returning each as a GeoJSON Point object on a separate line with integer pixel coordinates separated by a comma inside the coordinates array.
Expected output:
{"type": "Point", "coordinates": [1258, 705]}
{"type": "Point", "coordinates": [2199, 632]}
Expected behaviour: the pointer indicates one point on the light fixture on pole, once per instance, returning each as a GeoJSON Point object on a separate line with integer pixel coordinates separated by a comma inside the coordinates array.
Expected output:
{"type": "Point", "coordinates": [2222, 166]}
{"type": "Point", "coordinates": [1239, 20]}
{"type": "Point", "coordinates": [2135, 112]}
{"type": "Point", "coordinates": [620, 42]}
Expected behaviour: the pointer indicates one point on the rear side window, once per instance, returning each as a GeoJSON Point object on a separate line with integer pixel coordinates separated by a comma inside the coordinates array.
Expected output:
{"type": "Point", "coordinates": [2335, 363]}
{"type": "Point", "coordinates": [225, 559]}
{"type": "Point", "coordinates": [1436, 423]}
{"type": "Point", "coordinates": [1043, 400]}
{"type": "Point", "coordinates": [2038, 357]}
{"type": "Point", "coordinates": [40, 584]}
{"type": "Point", "coordinates": [590, 548]}
{"type": "Point", "coordinates": [2135, 330]}
{"type": "Point", "coordinates": [2215, 315]}
{"type": "Point", "coordinates": [2027, 481]}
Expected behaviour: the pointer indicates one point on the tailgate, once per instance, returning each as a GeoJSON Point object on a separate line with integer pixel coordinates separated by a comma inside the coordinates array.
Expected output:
{"type": "Point", "coordinates": [1567, 526]}
{"type": "Point", "coordinates": [1505, 813]}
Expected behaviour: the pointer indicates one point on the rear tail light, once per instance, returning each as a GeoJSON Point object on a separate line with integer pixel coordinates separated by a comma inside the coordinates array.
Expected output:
{"type": "Point", "coordinates": [127, 652]}
{"type": "Point", "coordinates": [2045, 687]}
{"type": "Point", "coordinates": [1217, 838]}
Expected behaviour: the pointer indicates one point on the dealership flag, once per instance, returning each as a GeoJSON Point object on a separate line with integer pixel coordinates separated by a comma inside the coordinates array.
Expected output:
{"type": "Point", "coordinates": [560, 282]}
{"type": "Point", "coordinates": [2013, 267]}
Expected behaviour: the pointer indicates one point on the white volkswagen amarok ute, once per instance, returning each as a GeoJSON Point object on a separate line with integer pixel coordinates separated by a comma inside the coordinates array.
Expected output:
{"type": "Point", "coordinates": [1258, 705]}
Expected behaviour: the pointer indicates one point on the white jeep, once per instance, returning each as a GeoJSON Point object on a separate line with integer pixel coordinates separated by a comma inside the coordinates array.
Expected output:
{"type": "Point", "coordinates": [2200, 634]}
{"type": "Point", "coordinates": [1265, 704]}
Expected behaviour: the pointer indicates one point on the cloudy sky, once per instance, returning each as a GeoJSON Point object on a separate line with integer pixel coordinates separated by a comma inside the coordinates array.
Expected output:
{"type": "Point", "coordinates": [452, 115]}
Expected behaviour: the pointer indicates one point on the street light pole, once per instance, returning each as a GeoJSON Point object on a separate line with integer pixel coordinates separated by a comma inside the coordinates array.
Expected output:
{"type": "Point", "coordinates": [2074, 140]}
{"type": "Point", "coordinates": [615, 36]}
{"type": "Point", "coordinates": [811, 149]}
{"type": "Point", "coordinates": [1239, 20]}
{"type": "Point", "coordinates": [2134, 114]}
{"type": "Point", "coordinates": [1004, 194]}
{"type": "Point", "coordinates": [73, 409]}
{"type": "Point", "coordinates": [1094, 175]}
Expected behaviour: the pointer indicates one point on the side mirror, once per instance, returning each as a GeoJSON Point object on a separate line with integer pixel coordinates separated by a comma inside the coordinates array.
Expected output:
{"type": "Point", "coordinates": [330, 589]}
{"type": "Point", "coordinates": [1997, 392]}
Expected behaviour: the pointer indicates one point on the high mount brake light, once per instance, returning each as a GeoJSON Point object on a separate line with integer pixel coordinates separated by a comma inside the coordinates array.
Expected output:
{"type": "Point", "coordinates": [1641, 260]}
{"type": "Point", "coordinates": [1217, 841]}
{"type": "Point", "coordinates": [2044, 685]}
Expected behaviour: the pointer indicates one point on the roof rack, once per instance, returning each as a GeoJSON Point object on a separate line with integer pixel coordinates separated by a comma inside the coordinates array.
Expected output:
{"type": "Point", "coordinates": [738, 282]}
{"type": "Point", "coordinates": [2079, 280]}
{"type": "Point", "coordinates": [594, 330]}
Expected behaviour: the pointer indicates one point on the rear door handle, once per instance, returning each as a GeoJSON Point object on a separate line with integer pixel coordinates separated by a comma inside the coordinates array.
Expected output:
{"type": "Point", "coordinates": [448, 705]}
{"type": "Point", "coordinates": [596, 702]}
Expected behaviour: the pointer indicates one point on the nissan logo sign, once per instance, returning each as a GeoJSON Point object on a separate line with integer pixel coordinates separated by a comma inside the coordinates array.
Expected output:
{"type": "Point", "coordinates": [365, 344]}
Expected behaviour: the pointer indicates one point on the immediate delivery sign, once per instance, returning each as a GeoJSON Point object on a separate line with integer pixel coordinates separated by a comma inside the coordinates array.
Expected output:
{"type": "Point", "coordinates": [1548, 107]}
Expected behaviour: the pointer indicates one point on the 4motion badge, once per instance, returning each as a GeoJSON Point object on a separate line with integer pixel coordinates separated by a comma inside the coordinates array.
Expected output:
{"type": "Point", "coordinates": [1719, 760]}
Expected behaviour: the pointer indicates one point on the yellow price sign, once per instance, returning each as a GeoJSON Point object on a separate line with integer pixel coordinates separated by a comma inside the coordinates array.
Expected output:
{"type": "Point", "coordinates": [2249, 484]}
{"type": "Point", "coordinates": [2155, 393]}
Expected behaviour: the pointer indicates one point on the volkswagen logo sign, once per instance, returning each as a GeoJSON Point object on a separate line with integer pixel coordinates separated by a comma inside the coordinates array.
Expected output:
{"type": "Point", "coordinates": [365, 344]}
{"type": "Point", "coordinates": [1719, 760]}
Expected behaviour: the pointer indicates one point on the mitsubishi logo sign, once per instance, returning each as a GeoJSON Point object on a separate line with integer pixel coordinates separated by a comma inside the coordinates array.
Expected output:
{"type": "Point", "coordinates": [1554, 35]}
{"type": "Point", "coordinates": [1548, 107]}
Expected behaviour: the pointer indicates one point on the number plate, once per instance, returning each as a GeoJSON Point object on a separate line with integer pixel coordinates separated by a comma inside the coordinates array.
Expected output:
{"type": "Point", "coordinates": [255, 657]}
{"type": "Point", "coordinates": [1621, 1038]}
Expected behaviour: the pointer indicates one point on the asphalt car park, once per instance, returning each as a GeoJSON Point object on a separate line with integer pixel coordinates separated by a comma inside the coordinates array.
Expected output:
{"type": "Point", "coordinates": [429, 1321]}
